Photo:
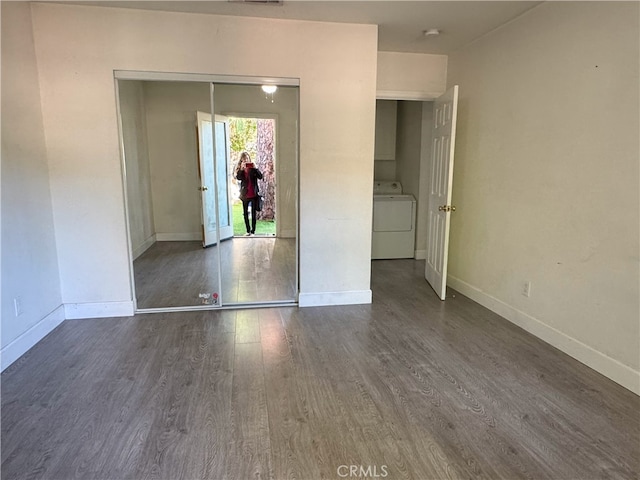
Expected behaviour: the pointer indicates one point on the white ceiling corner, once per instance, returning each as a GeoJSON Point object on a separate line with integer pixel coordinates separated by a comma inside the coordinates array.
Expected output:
{"type": "Point", "coordinates": [400, 23]}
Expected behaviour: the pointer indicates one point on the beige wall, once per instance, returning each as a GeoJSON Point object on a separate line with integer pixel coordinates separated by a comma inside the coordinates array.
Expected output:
{"type": "Point", "coordinates": [422, 206]}
{"type": "Point", "coordinates": [29, 258]}
{"type": "Point", "coordinates": [409, 146]}
{"type": "Point", "coordinates": [409, 142]}
{"type": "Point", "coordinates": [411, 76]}
{"type": "Point", "coordinates": [546, 179]}
{"type": "Point", "coordinates": [79, 47]}
{"type": "Point", "coordinates": [173, 152]}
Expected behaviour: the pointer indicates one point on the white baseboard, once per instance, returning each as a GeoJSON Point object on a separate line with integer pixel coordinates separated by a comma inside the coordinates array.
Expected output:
{"type": "Point", "coordinates": [18, 347]}
{"type": "Point", "coordinates": [179, 237]}
{"type": "Point", "coordinates": [319, 299]}
{"type": "Point", "coordinates": [75, 311]}
{"type": "Point", "coordinates": [144, 247]}
{"type": "Point", "coordinates": [420, 254]}
{"type": "Point", "coordinates": [607, 366]}
{"type": "Point", "coordinates": [287, 233]}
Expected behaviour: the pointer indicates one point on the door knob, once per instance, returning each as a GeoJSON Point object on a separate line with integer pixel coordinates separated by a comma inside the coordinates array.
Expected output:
{"type": "Point", "coordinates": [446, 208]}
{"type": "Point", "coordinates": [202, 189]}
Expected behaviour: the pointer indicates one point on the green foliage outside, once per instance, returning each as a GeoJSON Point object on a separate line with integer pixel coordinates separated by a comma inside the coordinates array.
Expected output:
{"type": "Point", "coordinates": [243, 134]}
{"type": "Point", "coordinates": [263, 227]}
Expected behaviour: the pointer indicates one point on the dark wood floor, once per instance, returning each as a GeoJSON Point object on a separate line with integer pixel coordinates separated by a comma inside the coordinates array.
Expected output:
{"type": "Point", "coordinates": [408, 386]}
{"type": "Point", "coordinates": [254, 269]}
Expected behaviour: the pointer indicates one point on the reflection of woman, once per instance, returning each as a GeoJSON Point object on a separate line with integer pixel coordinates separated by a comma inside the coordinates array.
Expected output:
{"type": "Point", "coordinates": [248, 176]}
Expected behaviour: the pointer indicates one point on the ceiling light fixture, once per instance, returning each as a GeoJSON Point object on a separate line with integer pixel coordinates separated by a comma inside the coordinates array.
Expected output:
{"type": "Point", "coordinates": [431, 32]}
{"type": "Point", "coordinates": [269, 90]}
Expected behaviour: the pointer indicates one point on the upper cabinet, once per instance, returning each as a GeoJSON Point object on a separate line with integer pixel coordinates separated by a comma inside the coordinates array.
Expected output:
{"type": "Point", "coordinates": [386, 113]}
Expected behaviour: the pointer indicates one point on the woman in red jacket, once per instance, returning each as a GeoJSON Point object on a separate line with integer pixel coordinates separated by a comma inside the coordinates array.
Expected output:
{"type": "Point", "coordinates": [248, 175]}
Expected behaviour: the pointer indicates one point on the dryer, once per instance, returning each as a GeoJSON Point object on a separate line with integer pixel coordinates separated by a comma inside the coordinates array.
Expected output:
{"type": "Point", "coordinates": [394, 221]}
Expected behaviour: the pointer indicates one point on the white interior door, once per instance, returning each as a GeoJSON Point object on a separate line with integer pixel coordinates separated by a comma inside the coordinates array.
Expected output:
{"type": "Point", "coordinates": [207, 179]}
{"type": "Point", "coordinates": [225, 212]}
{"type": "Point", "coordinates": [444, 134]}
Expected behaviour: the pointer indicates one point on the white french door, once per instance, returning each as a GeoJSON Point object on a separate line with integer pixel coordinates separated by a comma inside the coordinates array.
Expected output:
{"type": "Point", "coordinates": [444, 134]}
{"type": "Point", "coordinates": [225, 212]}
{"type": "Point", "coordinates": [207, 180]}
{"type": "Point", "coordinates": [211, 196]}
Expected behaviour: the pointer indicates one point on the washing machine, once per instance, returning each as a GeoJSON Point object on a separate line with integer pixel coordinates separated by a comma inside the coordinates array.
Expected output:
{"type": "Point", "coordinates": [394, 221]}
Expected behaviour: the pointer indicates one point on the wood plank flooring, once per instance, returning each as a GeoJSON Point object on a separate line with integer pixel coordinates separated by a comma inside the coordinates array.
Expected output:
{"type": "Point", "coordinates": [408, 386]}
{"type": "Point", "coordinates": [254, 269]}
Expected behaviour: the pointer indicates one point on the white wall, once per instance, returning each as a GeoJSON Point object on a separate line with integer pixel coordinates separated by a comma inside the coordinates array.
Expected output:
{"type": "Point", "coordinates": [29, 258]}
{"type": "Point", "coordinates": [136, 151]}
{"type": "Point", "coordinates": [79, 47]}
{"type": "Point", "coordinates": [546, 179]}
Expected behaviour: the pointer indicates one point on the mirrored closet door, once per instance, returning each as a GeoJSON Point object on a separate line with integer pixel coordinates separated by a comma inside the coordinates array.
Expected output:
{"type": "Point", "coordinates": [193, 242]}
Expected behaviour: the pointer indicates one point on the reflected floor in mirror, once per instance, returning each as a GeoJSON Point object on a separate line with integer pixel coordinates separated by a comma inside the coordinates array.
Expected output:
{"type": "Point", "coordinates": [254, 269]}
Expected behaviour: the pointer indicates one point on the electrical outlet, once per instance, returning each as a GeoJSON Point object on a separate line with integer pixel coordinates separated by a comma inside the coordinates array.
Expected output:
{"type": "Point", "coordinates": [17, 304]}
{"type": "Point", "coordinates": [526, 289]}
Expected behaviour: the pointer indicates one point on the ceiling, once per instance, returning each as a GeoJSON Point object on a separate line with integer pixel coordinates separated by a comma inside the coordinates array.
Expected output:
{"type": "Point", "coordinates": [400, 23]}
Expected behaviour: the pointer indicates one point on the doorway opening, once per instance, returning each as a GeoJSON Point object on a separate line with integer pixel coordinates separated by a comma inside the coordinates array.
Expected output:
{"type": "Point", "coordinates": [414, 154]}
{"type": "Point", "coordinates": [257, 137]}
